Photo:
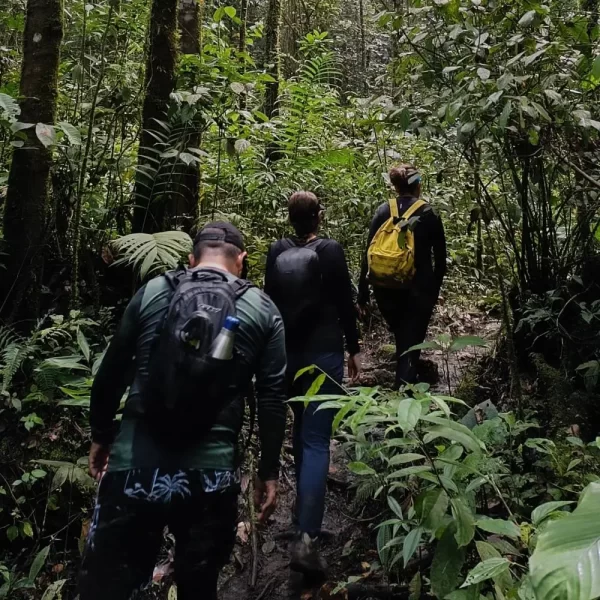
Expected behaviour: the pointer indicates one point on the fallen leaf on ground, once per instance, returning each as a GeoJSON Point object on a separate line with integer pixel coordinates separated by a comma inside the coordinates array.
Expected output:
{"type": "Point", "coordinates": [243, 532]}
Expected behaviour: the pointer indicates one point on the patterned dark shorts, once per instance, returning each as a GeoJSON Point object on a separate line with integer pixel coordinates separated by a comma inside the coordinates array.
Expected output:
{"type": "Point", "coordinates": [132, 510]}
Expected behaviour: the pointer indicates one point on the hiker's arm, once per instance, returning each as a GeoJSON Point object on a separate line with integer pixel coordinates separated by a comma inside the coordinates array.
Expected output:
{"type": "Point", "coordinates": [439, 250]}
{"type": "Point", "coordinates": [341, 286]}
{"type": "Point", "coordinates": [113, 376]}
{"type": "Point", "coordinates": [381, 216]}
{"type": "Point", "coordinates": [271, 398]}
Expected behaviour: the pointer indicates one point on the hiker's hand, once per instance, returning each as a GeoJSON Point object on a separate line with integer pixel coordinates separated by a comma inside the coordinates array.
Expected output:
{"type": "Point", "coordinates": [354, 367]}
{"type": "Point", "coordinates": [98, 461]}
{"type": "Point", "coordinates": [265, 498]}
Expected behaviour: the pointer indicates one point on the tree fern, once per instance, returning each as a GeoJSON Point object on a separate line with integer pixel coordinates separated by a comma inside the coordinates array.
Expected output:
{"type": "Point", "coordinates": [150, 254]}
{"type": "Point", "coordinates": [306, 101]}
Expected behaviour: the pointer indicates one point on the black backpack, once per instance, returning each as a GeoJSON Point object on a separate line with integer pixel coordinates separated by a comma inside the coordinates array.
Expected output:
{"type": "Point", "coordinates": [297, 286]}
{"type": "Point", "coordinates": [187, 388]}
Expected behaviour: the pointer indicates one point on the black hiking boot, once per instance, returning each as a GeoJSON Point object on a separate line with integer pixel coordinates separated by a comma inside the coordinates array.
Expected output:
{"type": "Point", "coordinates": [306, 558]}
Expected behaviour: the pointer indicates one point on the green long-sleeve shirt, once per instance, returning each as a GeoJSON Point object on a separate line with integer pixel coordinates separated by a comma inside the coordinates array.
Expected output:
{"type": "Point", "coordinates": [260, 343]}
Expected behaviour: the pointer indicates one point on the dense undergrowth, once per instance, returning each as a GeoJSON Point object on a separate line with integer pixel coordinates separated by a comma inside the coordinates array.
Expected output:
{"type": "Point", "coordinates": [495, 102]}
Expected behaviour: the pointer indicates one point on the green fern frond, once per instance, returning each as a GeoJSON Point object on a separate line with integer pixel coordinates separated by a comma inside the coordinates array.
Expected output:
{"type": "Point", "coordinates": [7, 336]}
{"type": "Point", "coordinates": [150, 254]}
{"type": "Point", "coordinates": [13, 357]}
{"type": "Point", "coordinates": [366, 490]}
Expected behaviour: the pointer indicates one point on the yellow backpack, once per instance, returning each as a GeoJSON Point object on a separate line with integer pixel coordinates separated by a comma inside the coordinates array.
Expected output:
{"type": "Point", "coordinates": [391, 254]}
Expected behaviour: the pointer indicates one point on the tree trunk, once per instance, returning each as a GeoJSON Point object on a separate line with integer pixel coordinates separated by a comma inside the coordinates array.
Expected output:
{"type": "Point", "coordinates": [189, 27]}
{"type": "Point", "coordinates": [363, 43]}
{"type": "Point", "coordinates": [27, 196]}
{"type": "Point", "coordinates": [183, 208]}
{"type": "Point", "coordinates": [149, 211]}
{"type": "Point", "coordinates": [272, 61]}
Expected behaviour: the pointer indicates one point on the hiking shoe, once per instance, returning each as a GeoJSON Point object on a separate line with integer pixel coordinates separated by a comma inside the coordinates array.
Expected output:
{"type": "Point", "coordinates": [307, 559]}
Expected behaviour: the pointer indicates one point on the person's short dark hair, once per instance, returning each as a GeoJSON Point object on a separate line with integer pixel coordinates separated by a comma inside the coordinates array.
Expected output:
{"type": "Point", "coordinates": [405, 178]}
{"type": "Point", "coordinates": [304, 209]}
{"type": "Point", "coordinates": [221, 238]}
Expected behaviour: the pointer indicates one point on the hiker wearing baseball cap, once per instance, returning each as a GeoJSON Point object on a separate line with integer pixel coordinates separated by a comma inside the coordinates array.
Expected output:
{"type": "Point", "coordinates": [194, 340]}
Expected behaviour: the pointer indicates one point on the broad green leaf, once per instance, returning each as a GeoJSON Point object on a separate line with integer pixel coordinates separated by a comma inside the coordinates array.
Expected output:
{"type": "Point", "coordinates": [465, 341]}
{"type": "Point", "coordinates": [566, 562]}
{"type": "Point", "coordinates": [349, 406]}
{"type": "Point", "coordinates": [470, 593]}
{"type": "Point", "coordinates": [465, 521]}
{"type": "Point", "coordinates": [83, 344]}
{"type": "Point", "coordinates": [242, 146]}
{"type": "Point", "coordinates": [542, 512]}
{"type": "Point", "coordinates": [488, 569]}
{"type": "Point", "coordinates": [46, 134]}
{"type": "Point", "coordinates": [309, 369]}
{"type": "Point", "coordinates": [38, 562]}
{"type": "Point", "coordinates": [12, 533]}
{"type": "Point", "coordinates": [71, 132]}
{"type": "Point", "coordinates": [18, 126]}
{"type": "Point", "coordinates": [447, 564]}
{"type": "Point", "coordinates": [431, 507]}
{"type": "Point", "coordinates": [411, 543]}
{"type": "Point", "coordinates": [54, 590]}
{"type": "Point", "coordinates": [230, 11]}
{"type": "Point", "coordinates": [504, 581]}
{"type": "Point", "coordinates": [360, 468]}
{"type": "Point", "coordinates": [596, 68]}
{"type": "Point", "coordinates": [527, 18]}
{"type": "Point", "coordinates": [441, 403]}
{"type": "Point", "coordinates": [65, 362]}
{"type": "Point", "coordinates": [400, 459]}
{"type": "Point", "coordinates": [499, 526]}
{"type": "Point", "coordinates": [27, 529]}
{"type": "Point", "coordinates": [467, 440]}
{"type": "Point", "coordinates": [315, 386]}
{"type": "Point", "coordinates": [424, 346]}
{"type": "Point", "coordinates": [395, 507]}
{"type": "Point", "coordinates": [406, 472]}
{"type": "Point", "coordinates": [503, 121]}
{"type": "Point", "coordinates": [409, 412]}
{"type": "Point", "coordinates": [384, 536]}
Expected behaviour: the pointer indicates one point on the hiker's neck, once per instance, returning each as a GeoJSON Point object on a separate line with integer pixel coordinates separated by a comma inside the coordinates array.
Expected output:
{"type": "Point", "coordinates": [217, 264]}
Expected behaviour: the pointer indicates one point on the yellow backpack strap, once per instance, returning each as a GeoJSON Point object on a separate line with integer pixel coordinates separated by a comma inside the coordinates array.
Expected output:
{"type": "Point", "coordinates": [394, 209]}
{"type": "Point", "coordinates": [413, 209]}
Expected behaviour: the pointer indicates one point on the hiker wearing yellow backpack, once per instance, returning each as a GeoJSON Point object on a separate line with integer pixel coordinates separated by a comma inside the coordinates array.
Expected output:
{"type": "Point", "coordinates": [405, 263]}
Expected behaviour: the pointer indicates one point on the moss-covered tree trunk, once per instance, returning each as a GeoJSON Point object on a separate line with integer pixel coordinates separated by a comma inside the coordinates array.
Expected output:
{"type": "Point", "coordinates": [272, 60]}
{"type": "Point", "coordinates": [149, 210]}
{"type": "Point", "coordinates": [25, 234]}
{"type": "Point", "coordinates": [183, 208]}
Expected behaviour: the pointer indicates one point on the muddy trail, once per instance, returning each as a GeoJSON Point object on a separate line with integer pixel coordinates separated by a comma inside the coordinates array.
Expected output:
{"type": "Point", "coordinates": [259, 568]}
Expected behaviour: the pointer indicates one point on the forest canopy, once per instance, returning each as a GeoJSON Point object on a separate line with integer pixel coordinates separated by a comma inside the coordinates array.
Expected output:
{"type": "Point", "coordinates": [126, 125]}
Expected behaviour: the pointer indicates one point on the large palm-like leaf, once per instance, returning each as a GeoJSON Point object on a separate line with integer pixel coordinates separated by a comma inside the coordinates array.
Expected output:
{"type": "Point", "coordinates": [566, 561]}
{"type": "Point", "coordinates": [153, 253]}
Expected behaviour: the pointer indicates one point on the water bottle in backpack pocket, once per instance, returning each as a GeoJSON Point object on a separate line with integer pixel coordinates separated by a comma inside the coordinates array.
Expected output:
{"type": "Point", "coordinates": [194, 362]}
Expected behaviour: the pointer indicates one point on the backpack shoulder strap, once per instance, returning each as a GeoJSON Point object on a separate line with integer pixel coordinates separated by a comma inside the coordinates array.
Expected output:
{"type": "Point", "coordinates": [240, 287]}
{"type": "Point", "coordinates": [413, 209]}
{"type": "Point", "coordinates": [394, 209]}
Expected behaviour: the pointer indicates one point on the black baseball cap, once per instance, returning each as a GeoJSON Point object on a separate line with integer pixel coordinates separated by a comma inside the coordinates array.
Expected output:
{"type": "Point", "coordinates": [221, 231]}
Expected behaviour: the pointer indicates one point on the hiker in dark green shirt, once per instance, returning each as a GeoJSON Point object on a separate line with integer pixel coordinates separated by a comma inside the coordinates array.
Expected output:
{"type": "Point", "coordinates": [190, 484]}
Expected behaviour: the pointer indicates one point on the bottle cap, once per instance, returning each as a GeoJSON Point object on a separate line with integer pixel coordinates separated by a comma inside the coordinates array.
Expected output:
{"type": "Point", "coordinates": [231, 324]}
